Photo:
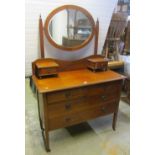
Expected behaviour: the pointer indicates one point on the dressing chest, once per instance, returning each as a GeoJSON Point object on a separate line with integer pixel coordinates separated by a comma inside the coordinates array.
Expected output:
{"type": "Point", "coordinates": [76, 94]}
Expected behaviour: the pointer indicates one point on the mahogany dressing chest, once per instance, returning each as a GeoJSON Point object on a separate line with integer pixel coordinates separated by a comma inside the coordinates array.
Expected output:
{"type": "Point", "coordinates": [77, 94]}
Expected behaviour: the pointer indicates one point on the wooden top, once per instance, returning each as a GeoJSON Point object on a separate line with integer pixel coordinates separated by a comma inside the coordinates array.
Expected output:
{"type": "Point", "coordinates": [97, 60]}
{"type": "Point", "coordinates": [46, 64]}
{"type": "Point", "coordinates": [74, 79]}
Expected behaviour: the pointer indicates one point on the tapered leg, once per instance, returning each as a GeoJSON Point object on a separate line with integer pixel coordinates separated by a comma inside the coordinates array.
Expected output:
{"type": "Point", "coordinates": [114, 121]}
{"type": "Point", "coordinates": [45, 135]}
{"type": "Point", "coordinates": [47, 142]}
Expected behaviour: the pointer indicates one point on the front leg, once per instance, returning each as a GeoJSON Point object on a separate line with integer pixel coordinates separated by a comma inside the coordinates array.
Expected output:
{"type": "Point", "coordinates": [114, 120]}
{"type": "Point", "coordinates": [45, 135]}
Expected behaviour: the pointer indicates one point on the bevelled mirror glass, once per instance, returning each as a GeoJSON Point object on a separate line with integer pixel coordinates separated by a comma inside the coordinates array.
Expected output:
{"type": "Point", "coordinates": [69, 27]}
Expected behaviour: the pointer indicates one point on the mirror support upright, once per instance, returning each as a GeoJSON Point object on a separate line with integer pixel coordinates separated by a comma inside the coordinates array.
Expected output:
{"type": "Point", "coordinates": [96, 37]}
{"type": "Point", "coordinates": [41, 34]}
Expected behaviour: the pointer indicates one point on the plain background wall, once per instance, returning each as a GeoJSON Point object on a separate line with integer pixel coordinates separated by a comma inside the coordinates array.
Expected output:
{"type": "Point", "coordinates": [101, 9]}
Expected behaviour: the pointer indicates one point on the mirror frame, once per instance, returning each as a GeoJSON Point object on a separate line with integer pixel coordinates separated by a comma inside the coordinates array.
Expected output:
{"type": "Point", "coordinates": [49, 17]}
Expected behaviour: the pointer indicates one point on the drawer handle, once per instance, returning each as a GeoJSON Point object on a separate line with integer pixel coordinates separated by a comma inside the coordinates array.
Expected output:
{"type": "Point", "coordinates": [68, 106]}
{"type": "Point", "coordinates": [103, 97]}
{"type": "Point", "coordinates": [68, 119]}
{"type": "Point", "coordinates": [103, 109]}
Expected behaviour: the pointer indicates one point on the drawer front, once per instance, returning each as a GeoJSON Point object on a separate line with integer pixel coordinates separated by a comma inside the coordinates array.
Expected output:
{"type": "Point", "coordinates": [76, 105]}
{"type": "Point", "coordinates": [65, 95]}
{"type": "Point", "coordinates": [47, 71]}
{"type": "Point", "coordinates": [104, 89]}
{"type": "Point", "coordinates": [71, 119]}
{"type": "Point", "coordinates": [99, 89]}
{"type": "Point", "coordinates": [101, 110]}
{"type": "Point", "coordinates": [60, 122]}
{"type": "Point", "coordinates": [101, 65]}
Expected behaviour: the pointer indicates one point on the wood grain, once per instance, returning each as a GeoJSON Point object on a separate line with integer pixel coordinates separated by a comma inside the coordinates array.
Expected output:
{"type": "Point", "coordinates": [74, 79]}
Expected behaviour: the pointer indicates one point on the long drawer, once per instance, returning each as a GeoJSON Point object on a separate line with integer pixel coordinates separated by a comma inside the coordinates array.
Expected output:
{"type": "Point", "coordinates": [71, 119]}
{"type": "Point", "coordinates": [70, 94]}
{"type": "Point", "coordinates": [76, 105]}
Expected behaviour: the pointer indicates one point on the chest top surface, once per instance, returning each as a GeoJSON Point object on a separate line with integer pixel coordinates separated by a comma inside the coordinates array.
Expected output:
{"type": "Point", "coordinates": [74, 79]}
{"type": "Point", "coordinates": [46, 64]}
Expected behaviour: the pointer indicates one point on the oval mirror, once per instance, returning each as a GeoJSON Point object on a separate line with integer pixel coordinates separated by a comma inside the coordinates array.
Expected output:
{"type": "Point", "coordinates": [69, 27]}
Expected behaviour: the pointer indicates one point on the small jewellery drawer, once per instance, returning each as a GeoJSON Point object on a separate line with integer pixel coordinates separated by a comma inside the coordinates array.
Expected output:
{"type": "Point", "coordinates": [47, 71]}
{"type": "Point", "coordinates": [81, 116]}
{"type": "Point", "coordinates": [65, 95]}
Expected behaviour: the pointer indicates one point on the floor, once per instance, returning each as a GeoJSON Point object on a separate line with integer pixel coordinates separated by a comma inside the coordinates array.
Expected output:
{"type": "Point", "coordinates": [94, 137]}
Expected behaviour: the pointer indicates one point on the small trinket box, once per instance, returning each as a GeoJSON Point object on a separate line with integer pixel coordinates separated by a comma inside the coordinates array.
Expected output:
{"type": "Point", "coordinates": [97, 64]}
{"type": "Point", "coordinates": [46, 69]}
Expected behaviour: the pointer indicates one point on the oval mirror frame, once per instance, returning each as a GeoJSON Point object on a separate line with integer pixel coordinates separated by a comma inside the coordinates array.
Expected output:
{"type": "Point", "coordinates": [74, 7]}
